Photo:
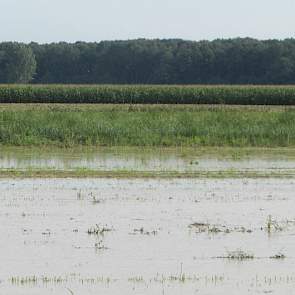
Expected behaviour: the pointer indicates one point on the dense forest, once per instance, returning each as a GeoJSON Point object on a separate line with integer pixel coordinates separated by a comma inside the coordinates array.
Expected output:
{"type": "Point", "coordinates": [231, 61]}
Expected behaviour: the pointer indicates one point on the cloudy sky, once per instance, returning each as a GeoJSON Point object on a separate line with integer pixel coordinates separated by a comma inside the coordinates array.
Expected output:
{"type": "Point", "coordinates": [94, 20]}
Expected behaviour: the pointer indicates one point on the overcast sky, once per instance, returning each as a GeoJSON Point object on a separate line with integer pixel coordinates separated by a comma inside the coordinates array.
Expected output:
{"type": "Point", "coordinates": [95, 20]}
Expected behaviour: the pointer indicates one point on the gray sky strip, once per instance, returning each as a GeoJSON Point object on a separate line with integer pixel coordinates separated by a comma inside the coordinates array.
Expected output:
{"type": "Point", "coordinates": [95, 20]}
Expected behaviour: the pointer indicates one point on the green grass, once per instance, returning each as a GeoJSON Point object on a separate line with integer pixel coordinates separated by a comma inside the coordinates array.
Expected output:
{"type": "Point", "coordinates": [119, 125]}
{"type": "Point", "coordinates": [149, 94]}
{"type": "Point", "coordinates": [126, 174]}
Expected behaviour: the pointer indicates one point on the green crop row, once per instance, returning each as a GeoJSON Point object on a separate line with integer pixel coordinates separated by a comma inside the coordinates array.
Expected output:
{"type": "Point", "coordinates": [152, 94]}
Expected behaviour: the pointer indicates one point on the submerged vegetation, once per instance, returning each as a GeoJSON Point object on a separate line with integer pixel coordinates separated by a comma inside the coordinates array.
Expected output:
{"type": "Point", "coordinates": [98, 230]}
{"type": "Point", "coordinates": [118, 125]}
{"type": "Point", "coordinates": [238, 255]}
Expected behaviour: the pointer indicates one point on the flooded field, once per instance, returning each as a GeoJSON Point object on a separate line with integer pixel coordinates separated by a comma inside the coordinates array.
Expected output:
{"type": "Point", "coordinates": [263, 162]}
{"type": "Point", "coordinates": [147, 236]}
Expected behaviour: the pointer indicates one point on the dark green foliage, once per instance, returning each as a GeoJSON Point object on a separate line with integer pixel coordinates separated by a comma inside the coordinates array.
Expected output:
{"type": "Point", "coordinates": [232, 61]}
{"type": "Point", "coordinates": [17, 63]}
{"type": "Point", "coordinates": [153, 94]}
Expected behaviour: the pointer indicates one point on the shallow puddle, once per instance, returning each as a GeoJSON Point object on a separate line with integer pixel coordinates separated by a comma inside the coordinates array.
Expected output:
{"type": "Point", "coordinates": [112, 236]}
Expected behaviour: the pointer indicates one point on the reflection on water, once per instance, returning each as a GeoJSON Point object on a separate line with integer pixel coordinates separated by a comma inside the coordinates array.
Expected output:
{"type": "Point", "coordinates": [137, 159]}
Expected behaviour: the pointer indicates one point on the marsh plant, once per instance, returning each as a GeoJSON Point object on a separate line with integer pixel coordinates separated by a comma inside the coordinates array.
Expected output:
{"type": "Point", "coordinates": [98, 230]}
{"type": "Point", "coordinates": [273, 225]}
{"type": "Point", "coordinates": [100, 246]}
{"type": "Point", "coordinates": [279, 255]}
{"type": "Point", "coordinates": [79, 195]}
{"type": "Point", "coordinates": [201, 227]}
{"type": "Point", "coordinates": [142, 231]}
{"type": "Point", "coordinates": [238, 255]}
{"type": "Point", "coordinates": [95, 199]}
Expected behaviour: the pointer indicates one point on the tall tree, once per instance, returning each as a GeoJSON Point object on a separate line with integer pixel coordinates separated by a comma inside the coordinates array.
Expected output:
{"type": "Point", "coordinates": [141, 61]}
{"type": "Point", "coordinates": [17, 63]}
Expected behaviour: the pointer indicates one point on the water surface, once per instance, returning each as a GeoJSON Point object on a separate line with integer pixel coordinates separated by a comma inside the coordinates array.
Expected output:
{"type": "Point", "coordinates": [148, 246]}
{"type": "Point", "coordinates": [146, 159]}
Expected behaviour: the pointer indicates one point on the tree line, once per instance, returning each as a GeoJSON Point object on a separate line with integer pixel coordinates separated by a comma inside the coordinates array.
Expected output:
{"type": "Point", "coordinates": [174, 61]}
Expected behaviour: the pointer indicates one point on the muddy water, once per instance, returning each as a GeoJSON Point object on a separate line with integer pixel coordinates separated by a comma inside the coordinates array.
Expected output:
{"type": "Point", "coordinates": [137, 159]}
{"type": "Point", "coordinates": [144, 243]}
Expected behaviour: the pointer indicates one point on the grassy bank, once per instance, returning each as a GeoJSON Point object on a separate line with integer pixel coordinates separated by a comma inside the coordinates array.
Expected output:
{"type": "Point", "coordinates": [117, 125]}
{"type": "Point", "coordinates": [152, 94]}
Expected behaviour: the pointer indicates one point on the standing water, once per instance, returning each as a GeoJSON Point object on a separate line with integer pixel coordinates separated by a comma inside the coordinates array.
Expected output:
{"type": "Point", "coordinates": [147, 236]}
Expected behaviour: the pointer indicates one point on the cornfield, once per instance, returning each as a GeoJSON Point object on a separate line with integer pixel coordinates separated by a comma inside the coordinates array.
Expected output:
{"type": "Point", "coordinates": [152, 94]}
